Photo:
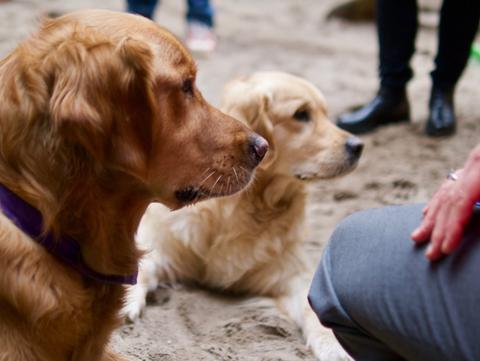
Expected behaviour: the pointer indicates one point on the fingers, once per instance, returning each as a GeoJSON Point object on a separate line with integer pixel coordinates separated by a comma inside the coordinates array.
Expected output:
{"type": "Point", "coordinates": [434, 249]}
{"type": "Point", "coordinates": [425, 210]}
{"type": "Point", "coordinates": [423, 232]}
{"type": "Point", "coordinates": [456, 228]}
{"type": "Point", "coordinates": [448, 228]}
{"type": "Point", "coordinates": [443, 221]}
{"type": "Point", "coordinates": [452, 239]}
{"type": "Point", "coordinates": [447, 214]}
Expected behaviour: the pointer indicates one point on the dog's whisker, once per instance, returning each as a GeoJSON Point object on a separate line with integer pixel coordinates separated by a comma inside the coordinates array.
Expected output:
{"type": "Point", "coordinates": [205, 171]}
{"type": "Point", "coordinates": [215, 184]}
{"type": "Point", "coordinates": [246, 174]}
{"type": "Point", "coordinates": [244, 170]}
{"type": "Point", "coordinates": [206, 178]}
{"type": "Point", "coordinates": [228, 185]}
{"type": "Point", "coordinates": [236, 175]}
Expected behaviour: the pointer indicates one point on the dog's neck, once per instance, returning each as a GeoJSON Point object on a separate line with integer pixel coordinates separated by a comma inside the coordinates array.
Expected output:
{"type": "Point", "coordinates": [106, 229]}
{"type": "Point", "coordinates": [103, 220]}
{"type": "Point", "coordinates": [272, 195]}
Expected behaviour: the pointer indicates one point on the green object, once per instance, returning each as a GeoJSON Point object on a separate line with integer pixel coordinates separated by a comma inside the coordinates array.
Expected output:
{"type": "Point", "coordinates": [475, 52]}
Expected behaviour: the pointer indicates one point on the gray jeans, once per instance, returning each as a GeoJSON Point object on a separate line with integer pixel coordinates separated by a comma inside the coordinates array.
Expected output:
{"type": "Point", "coordinates": [385, 301]}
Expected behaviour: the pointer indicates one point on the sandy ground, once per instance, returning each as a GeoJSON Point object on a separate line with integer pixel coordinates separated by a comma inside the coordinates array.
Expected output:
{"type": "Point", "coordinates": [399, 165]}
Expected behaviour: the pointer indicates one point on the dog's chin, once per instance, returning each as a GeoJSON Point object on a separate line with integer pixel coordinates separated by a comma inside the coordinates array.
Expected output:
{"type": "Point", "coordinates": [191, 195]}
{"type": "Point", "coordinates": [329, 173]}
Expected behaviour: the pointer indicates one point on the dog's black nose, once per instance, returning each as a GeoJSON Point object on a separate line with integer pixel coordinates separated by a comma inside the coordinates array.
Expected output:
{"type": "Point", "coordinates": [258, 148]}
{"type": "Point", "coordinates": [354, 147]}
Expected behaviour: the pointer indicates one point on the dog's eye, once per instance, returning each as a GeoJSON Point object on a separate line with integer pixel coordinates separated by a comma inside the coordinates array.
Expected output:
{"type": "Point", "coordinates": [187, 86]}
{"type": "Point", "coordinates": [302, 115]}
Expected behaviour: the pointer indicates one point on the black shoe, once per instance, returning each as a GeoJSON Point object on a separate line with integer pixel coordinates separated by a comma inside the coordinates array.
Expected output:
{"type": "Point", "coordinates": [441, 120]}
{"type": "Point", "coordinates": [389, 106]}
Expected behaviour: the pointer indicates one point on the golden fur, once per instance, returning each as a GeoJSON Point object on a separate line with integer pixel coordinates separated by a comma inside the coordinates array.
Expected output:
{"type": "Point", "coordinates": [252, 242]}
{"type": "Point", "coordinates": [99, 116]}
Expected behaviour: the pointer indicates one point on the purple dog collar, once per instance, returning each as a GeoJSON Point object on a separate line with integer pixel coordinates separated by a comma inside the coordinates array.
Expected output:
{"type": "Point", "coordinates": [30, 221]}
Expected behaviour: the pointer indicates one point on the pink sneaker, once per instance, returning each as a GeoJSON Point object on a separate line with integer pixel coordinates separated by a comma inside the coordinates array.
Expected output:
{"type": "Point", "coordinates": [200, 37]}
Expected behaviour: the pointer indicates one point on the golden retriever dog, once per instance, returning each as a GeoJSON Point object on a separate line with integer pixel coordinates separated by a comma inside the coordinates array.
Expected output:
{"type": "Point", "coordinates": [251, 243]}
{"type": "Point", "coordinates": [99, 116]}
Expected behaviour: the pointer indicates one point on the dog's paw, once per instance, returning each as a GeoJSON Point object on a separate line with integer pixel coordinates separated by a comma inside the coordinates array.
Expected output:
{"type": "Point", "coordinates": [327, 348]}
{"type": "Point", "coordinates": [136, 303]}
{"type": "Point", "coordinates": [112, 356]}
{"type": "Point", "coordinates": [133, 311]}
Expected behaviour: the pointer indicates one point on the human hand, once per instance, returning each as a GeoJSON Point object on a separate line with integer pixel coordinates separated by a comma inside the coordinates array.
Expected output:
{"type": "Point", "coordinates": [449, 210]}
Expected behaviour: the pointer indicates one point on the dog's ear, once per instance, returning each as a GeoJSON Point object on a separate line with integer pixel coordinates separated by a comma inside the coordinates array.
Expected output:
{"type": "Point", "coordinates": [99, 90]}
{"type": "Point", "coordinates": [250, 105]}
{"type": "Point", "coordinates": [80, 85]}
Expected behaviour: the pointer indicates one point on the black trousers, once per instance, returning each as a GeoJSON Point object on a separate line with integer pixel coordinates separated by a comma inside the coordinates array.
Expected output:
{"type": "Point", "coordinates": [397, 27]}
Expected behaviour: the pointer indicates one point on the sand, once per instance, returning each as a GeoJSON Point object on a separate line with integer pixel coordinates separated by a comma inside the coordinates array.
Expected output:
{"type": "Point", "coordinates": [400, 165]}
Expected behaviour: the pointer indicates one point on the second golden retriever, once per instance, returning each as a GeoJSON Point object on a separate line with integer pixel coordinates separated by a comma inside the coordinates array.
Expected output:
{"type": "Point", "coordinates": [252, 242]}
{"type": "Point", "coordinates": [99, 116]}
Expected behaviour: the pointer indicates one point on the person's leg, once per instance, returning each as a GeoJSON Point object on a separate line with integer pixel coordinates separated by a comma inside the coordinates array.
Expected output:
{"type": "Point", "coordinates": [396, 29]}
{"type": "Point", "coordinates": [200, 22]}
{"type": "Point", "coordinates": [385, 301]}
{"type": "Point", "coordinates": [200, 11]}
{"type": "Point", "coordinates": [142, 7]}
{"type": "Point", "coordinates": [458, 26]}
{"type": "Point", "coordinates": [459, 22]}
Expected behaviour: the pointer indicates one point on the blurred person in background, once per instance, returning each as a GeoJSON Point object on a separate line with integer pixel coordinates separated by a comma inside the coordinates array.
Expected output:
{"type": "Point", "coordinates": [397, 26]}
{"type": "Point", "coordinates": [200, 36]}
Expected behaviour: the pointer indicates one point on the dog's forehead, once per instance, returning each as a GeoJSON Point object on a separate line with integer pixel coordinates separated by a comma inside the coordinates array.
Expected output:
{"type": "Point", "coordinates": [168, 51]}
{"type": "Point", "coordinates": [296, 91]}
